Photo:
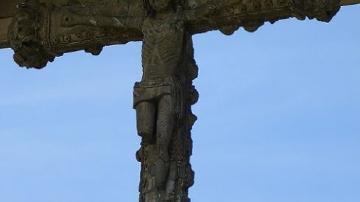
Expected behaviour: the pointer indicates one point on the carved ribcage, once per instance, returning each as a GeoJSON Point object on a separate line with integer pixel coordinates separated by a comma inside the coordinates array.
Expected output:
{"type": "Point", "coordinates": [162, 46]}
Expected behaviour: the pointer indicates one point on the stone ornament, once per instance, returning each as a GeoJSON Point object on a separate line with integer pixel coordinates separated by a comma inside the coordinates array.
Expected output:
{"type": "Point", "coordinates": [41, 30]}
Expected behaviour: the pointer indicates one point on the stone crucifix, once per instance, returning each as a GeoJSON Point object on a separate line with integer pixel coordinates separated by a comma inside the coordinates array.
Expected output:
{"type": "Point", "coordinates": [40, 30]}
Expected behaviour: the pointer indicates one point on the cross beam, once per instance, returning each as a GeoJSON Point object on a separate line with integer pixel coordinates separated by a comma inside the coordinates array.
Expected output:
{"type": "Point", "coordinates": [8, 11]}
{"type": "Point", "coordinates": [40, 30]}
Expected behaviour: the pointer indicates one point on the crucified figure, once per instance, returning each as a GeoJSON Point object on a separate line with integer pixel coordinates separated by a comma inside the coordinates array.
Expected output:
{"type": "Point", "coordinates": [158, 97]}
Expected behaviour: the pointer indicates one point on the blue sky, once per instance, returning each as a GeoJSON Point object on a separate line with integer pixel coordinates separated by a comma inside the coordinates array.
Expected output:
{"type": "Point", "coordinates": [278, 113]}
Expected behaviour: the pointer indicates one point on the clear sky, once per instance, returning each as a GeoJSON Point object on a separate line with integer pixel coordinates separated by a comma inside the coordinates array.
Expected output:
{"type": "Point", "coordinates": [278, 113]}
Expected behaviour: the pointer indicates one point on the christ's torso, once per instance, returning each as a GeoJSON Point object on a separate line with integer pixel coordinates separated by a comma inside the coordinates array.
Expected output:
{"type": "Point", "coordinates": [162, 47]}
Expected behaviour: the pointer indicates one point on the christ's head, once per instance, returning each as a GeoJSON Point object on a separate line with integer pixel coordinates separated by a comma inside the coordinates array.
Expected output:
{"type": "Point", "coordinates": [160, 5]}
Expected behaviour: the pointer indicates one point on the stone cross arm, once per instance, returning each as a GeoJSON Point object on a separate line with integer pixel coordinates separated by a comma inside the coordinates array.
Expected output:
{"type": "Point", "coordinates": [40, 30]}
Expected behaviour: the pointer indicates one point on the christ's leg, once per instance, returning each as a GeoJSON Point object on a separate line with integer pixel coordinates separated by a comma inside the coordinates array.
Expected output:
{"type": "Point", "coordinates": [165, 129]}
{"type": "Point", "coordinates": [146, 114]}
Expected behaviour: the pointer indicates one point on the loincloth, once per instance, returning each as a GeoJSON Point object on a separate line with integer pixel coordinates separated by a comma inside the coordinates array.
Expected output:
{"type": "Point", "coordinates": [152, 91]}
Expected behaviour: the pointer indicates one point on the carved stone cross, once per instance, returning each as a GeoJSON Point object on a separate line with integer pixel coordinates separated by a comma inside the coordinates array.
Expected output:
{"type": "Point", "coordinates": [40, 30]}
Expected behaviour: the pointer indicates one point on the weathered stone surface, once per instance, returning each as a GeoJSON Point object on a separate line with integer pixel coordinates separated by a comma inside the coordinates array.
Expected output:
{"type": "Point", "coordinates": [4, 22]}
{"type": "Point", "coordinates": [89, 25]}
{"type": "Point", "coordinates": [349, 2]}
{"type": "Point", "coordinates": [42, 30]}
